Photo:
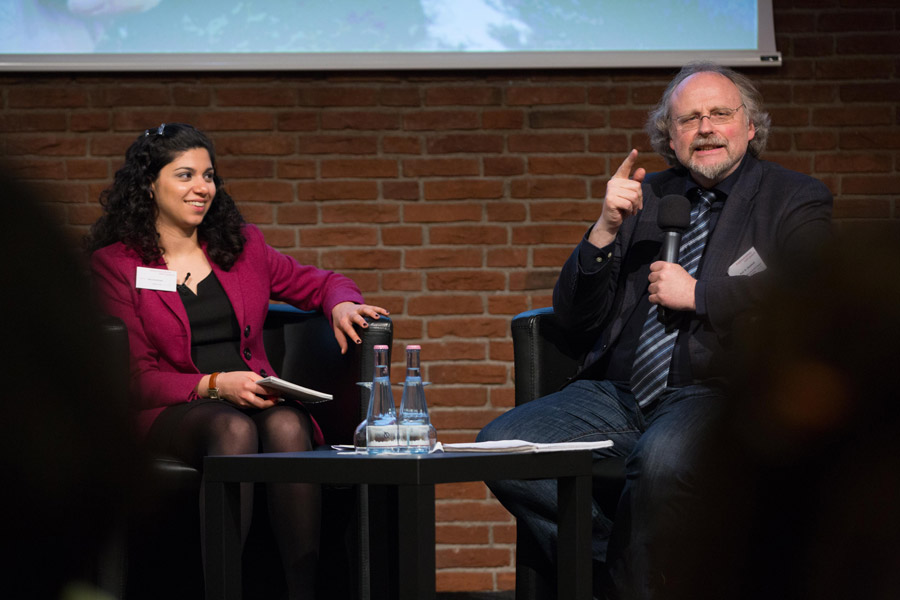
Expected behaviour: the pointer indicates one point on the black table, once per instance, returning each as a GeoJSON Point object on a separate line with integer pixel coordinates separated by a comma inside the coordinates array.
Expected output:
{"type": "Point", "coordinates": [414, 478]}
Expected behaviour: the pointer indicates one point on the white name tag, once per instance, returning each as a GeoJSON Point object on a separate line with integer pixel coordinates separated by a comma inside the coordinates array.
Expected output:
{"type": "Point", "coordinates": [163, 280]}
{"type": "Point", "coordinates": [749, 264]}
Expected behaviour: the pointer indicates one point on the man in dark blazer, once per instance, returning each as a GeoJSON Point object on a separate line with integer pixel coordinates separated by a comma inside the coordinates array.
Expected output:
{"type": "Point", "coordinates": [755, 218]}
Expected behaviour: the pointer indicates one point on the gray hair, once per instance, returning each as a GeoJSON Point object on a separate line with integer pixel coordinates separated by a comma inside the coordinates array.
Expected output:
{"type": "Point", "coordinates": [658, 121]}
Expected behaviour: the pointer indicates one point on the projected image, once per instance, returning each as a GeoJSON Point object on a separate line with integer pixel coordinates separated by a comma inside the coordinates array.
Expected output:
{"type": "Point", "coordinates": [359, 26]}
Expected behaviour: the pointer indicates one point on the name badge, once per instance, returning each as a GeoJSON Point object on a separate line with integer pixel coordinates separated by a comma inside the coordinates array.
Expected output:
{"type": "Point", "coordinates": [163, 280]}
{"type": "Point", "coordinates": [750, 263]}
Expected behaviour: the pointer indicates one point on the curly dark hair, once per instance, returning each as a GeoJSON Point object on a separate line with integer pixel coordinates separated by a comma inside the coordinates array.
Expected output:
{"type": "Point", "coordinates": [130, 212]}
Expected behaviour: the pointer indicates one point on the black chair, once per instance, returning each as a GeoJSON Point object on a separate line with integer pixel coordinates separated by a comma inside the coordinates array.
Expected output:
{"type": "Point", "coordinates": [545, 356]}
{"type": "Point", "coordinates": [156, 554]}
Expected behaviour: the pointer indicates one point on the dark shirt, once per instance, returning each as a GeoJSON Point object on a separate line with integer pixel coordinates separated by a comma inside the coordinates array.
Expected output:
{"type": "Point", "coordinates": [616, 364]}
{"type": "Point", "coordinates": [215, 333]}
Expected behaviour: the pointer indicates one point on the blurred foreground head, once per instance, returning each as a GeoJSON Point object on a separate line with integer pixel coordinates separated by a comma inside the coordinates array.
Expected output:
{"type": "Point", "coordinates": [802, 484]}
{"type": "Point", "coordinates": [65, 443]}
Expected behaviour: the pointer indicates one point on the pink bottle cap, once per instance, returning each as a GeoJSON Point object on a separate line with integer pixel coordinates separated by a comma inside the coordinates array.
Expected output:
{"type": "Point", "coordinates": [414, 347]}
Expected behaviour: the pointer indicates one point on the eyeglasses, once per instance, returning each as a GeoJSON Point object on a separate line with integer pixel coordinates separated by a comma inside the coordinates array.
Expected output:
{"type": "Point", "coordinates": [717, 116]}
{"type": "Point", "coordinates": [158, 131]}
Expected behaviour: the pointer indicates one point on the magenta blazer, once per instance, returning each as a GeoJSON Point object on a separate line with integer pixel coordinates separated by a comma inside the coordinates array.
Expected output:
{"type": "Point", "coordinates": [159, 334]}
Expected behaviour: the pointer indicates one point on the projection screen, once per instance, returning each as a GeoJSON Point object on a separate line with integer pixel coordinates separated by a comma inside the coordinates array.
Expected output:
{"type": "Point", "coordinates": [279, 35]}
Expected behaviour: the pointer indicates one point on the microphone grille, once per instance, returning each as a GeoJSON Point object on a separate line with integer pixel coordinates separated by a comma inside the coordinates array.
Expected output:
{"type": "Point", "coordinates": [674, 213]}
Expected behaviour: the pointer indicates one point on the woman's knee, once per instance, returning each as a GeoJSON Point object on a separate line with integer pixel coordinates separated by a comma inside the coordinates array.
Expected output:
{"type": "Point", "coordinates": [285, 429]}
{"type": "Point", "coordinates": [234, 433]}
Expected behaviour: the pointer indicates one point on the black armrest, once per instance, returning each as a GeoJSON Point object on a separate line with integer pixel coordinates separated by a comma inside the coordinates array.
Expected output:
{"type": "Point", "coordinates": [544, 353]}
{"type": "Point", "coordinates": [302, 348]}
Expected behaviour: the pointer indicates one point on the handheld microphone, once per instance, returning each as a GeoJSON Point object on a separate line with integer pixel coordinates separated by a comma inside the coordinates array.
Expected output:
{"type": "Point", "coordinates": [674, 218]}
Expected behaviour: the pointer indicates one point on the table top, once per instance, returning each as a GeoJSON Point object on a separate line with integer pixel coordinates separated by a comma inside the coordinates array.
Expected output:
{"type": "Point", "coordinates": [329, 466]}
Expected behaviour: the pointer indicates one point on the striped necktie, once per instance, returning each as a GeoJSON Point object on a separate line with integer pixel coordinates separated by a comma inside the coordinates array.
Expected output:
{"type": "Point", "coordinates": [653, 357]}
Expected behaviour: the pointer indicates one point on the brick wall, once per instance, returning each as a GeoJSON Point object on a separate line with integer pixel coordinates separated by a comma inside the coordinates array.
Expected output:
{"type": "Point", "coordinates": [452, 198]}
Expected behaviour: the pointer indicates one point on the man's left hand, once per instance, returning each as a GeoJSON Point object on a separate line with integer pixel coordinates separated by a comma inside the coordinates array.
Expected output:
{"type": "Point", "coordinates": [671, 286]}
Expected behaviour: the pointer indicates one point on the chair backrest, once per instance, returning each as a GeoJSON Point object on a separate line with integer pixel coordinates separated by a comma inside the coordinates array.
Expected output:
{"type": "Point", "coordinates": [545, 354]}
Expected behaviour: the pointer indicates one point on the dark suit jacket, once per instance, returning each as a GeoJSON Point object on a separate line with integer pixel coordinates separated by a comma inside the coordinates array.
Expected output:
{"type": "Point", "coordinates": [779, 212]}
{"type": "Point", "coordinates": [159, 332]}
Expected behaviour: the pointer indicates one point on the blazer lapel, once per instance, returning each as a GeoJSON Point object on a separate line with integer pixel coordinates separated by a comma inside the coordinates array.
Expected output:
{"type": "Point", "coordinates": [233, 287]}
{"type": "Point", "coordinates": [729, 232]}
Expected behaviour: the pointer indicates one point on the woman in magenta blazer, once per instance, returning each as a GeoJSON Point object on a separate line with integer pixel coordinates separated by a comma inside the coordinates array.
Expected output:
{"type": "Point", "coordinates": [173, 258]}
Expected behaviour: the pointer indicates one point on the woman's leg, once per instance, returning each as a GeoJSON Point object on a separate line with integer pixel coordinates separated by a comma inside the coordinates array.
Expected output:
{"type": "Point", "coordinates": [202, 428]}
{"type": "Point", "coordinates": [294, 508]}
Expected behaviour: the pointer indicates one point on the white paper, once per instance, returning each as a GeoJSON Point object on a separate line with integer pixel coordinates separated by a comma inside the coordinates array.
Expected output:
{"type": "Point", "coordinates": [749, 264]}
{"type": "Point", "coordinates": [523, 446]}
{"type": "Point", "coordinates": [292, 390]}
{"type": "Point", "coordinates": [163, 280]}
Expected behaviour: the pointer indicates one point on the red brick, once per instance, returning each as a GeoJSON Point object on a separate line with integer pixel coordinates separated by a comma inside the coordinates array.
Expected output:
{"type": "Point", "coordinates": [83, 214]}
{"type": "Point", "coordinates": [400, 190]}
{"type": "Point", "coordinates": [495, 166]}
{"type": "Point", "coordinates": [456, 397]}
{"type": "Point", "coordinates": [401, 236]}
{"type": "Point", "coordinates": [815, 140]}
{"type": "Point", "coordinates": [280, 237]}
{"type": "Point", "coordinates": [854, 163]}
{"type": "Point", "coordinates": [462, 96]}
{"type": "Point", "coordinates": [47, 145]}
{"type": "Point", "coordinates": [23, 121]}
{"type": "Point", "coordinates": [501, 351]}
{"type": "Point", "coordinates": [298, 121]}
{"type": "Point", "coordinates": [566, 119]}
{"type": "Point", "coordinates": [472, 557]}
{"type": "Point", "coordinates": [337, 96]}
{"type": "Point", "coordinates": [234, 121]}
{"type": "Point", "coordinates": [546, 142]}
{"type": "Point", "coordinates": [470, 327]}
{"type": "Point", "coordinates": [342, 260]}
{"type": "Point", "coordinates": [549, 187]}
{"type": "Point", "coordinates": [537, 95]}
{"type": "Point", "coordinates": [438, 351]}
{"type": "Point", "coordinates": [362, 121]}
{"type": "Point", "coordinates": [266, 145]}
{"type": "Point", "coordinates": [356, 212]}
{"type": "Point", "coordinates": [337, 144]}
{"type": "Point", "coordinates": [191, 95]}
{"type": "Point", "coordinates": [297, 169]}
{"type": "Point", "coordinates": [468, 234]}
{"type": "Point", "coordinates": [461, 534]}
{"type": "Point", "coordinates": [548, 234]}
{"type": "Point", "coordinates": [566, 165]}
{"type": "Point", "coordinates": [254, 96]}
{"type": "Point", "coordinates": [394, 144]}
{"type": "Point", "coordinates": [871, 185]}
{"type": "Point", "coordinates": [401, 281]}
{"type": "Point", "coordinates": [31, 97]}
{"type": "Point", "coordinates": [261, 191]}
{"type": "Point", "coordinates": [814, 93]}
{"type": "Point", "coordinates": [245, 168]}
{"type": "Point", "coordinates": [445, 305]}
{"type": "Point", "coordinates": [441, 120]}
{"type": "Point", "coordinates": [431, 167]}
{"type": "Point", "coordinates": [259, 213]}
{"type": "Point", "coordinates": [427, 258]}
{"type": "Point", "coordinates": [399, 96]}
{"type": "Point", "coordinates": [464, 143]}
{"type": "Point", "coordinates": [406, 329]}
{"type": "Point", "coordinates": [503, 398]}
{"type": "Point", "coordinates": [339, 236]}
{"type": "Point", "coordinates": [865, 208]}
{"type": "Point", "coordinates": [358, 168]}
{"type": "Point", "coordinates": [584, 212]}
{"type": "Point", "coordinates": [609, 142]}
{"type": "Point", "coordinates": [337, 190]}
{"type": "Point", "coordinates": [510, 257]}
{"type": "Point", "coordinates": [468, 490]}
{"type": "Point", "coordinates": [36, 168]}
{"type": "Point", "coordinates": [502, 119]}
{"type": "Point", "coordinates": [507, 304]}
{"type": "Point", "coordinates": [463, 581]}
{"type": "Point", "coordinates": [87, 169]}
{"type": "Point", "coordinates": [506, 211]}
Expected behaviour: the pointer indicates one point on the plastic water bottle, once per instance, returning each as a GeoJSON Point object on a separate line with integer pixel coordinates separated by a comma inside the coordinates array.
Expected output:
{"type": "Point", "coordinates": [381, 420]}
{"type": "Point", "coordinates": [417, 434]}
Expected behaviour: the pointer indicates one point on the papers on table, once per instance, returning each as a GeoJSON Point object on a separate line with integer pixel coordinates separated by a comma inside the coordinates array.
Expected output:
{"type": "Point", "coordinates": [523, 446]}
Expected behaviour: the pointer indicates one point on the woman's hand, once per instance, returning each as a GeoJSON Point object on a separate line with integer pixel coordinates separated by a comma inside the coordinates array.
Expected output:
{"type": "Point", "coordinates": [239, 388]}
{"type": "Point", "coordinates": [345, 314]}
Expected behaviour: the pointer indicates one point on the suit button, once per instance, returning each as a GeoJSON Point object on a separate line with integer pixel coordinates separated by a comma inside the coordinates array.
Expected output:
{"type": "Point", "coordinates": [247, 354]}
{"type": "Point", "coordinates": [247, 331]}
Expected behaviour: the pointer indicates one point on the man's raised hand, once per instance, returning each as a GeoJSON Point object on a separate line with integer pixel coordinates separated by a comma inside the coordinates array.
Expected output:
{"type": "Point", "coordinates": [623, 199]}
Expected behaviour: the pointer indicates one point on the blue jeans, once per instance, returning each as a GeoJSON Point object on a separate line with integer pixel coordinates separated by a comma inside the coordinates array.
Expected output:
{"type": "Point", "coordinates": [660, 442]}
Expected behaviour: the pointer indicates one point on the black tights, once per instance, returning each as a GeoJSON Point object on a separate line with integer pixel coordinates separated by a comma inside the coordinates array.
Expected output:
{"type": "Point", "coordinates": [218, 428]}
